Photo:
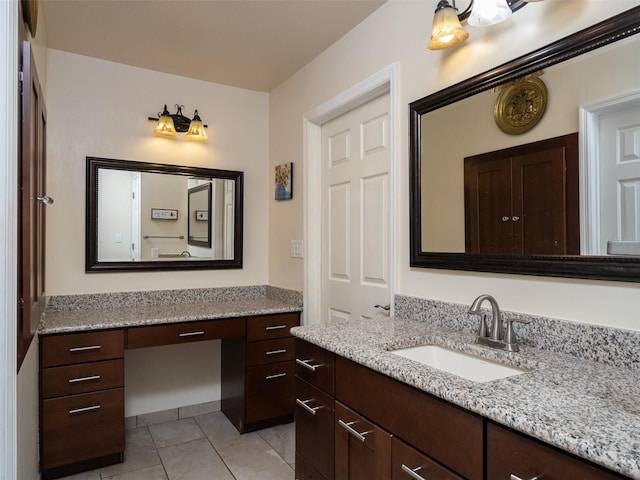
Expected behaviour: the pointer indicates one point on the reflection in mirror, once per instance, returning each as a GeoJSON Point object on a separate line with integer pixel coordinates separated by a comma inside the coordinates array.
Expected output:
{"type": "Point", "coordinates": [152, 216]}
{"type": "Point", "coordinates": [569, 222]}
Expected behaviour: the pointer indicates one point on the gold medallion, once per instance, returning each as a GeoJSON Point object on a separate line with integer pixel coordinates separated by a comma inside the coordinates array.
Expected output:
{"type": "Point", "coordinates": [520, 106]}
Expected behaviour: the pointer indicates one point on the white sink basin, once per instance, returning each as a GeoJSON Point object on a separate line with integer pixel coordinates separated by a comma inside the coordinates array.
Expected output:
{"type": "Point", "coordinates": [461, 364]}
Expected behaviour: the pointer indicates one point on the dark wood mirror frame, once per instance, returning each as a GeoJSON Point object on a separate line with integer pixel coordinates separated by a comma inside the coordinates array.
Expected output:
{"type": "Point", "coordinates": [91, 251]}
{"type": "Point", "coordinates": [600, 268]}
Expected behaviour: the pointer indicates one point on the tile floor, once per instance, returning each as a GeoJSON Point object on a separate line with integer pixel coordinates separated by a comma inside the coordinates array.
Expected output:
{"type": "Point", "coordinates": [202, 447]}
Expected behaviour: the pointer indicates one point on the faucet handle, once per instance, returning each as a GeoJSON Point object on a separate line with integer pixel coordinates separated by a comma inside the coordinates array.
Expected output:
{"type": "Point", "coordinates": [511, 343]}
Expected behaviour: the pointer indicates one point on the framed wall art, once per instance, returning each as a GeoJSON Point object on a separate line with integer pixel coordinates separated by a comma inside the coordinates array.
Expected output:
{"type": "Point", "coordinates": [284, 181]}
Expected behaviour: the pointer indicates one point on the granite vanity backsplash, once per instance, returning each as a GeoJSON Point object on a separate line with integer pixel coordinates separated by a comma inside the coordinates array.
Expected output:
{"type": "Point", "coordinates": [612, 346]}
{"type": "Point", "coordinates": [100, 301]}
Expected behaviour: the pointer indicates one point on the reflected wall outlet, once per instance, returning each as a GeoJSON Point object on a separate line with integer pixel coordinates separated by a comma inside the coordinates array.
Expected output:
{"type": "Point", "coordinates": [118, 238]}
{"type": "Point", "coordinates": [297, 250]}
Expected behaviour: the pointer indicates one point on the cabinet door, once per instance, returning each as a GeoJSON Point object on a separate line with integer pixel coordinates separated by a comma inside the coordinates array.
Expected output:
{"type": "Point", "coordinates": [315, 428]}
{"type": "Point", "coordinates": [407, 463]}
{"type": "Point", "coordinates": [512, 455]}
{"type": "Point", "coordinates": [363, 450]}
{"type": "Point", "coordinates": [31, 203]}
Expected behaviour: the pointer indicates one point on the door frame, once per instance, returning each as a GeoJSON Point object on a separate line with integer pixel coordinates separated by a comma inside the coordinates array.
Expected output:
{"type": "Point", "coordinates": [384, 81]}
{"type": "Point", "coordinates": [8, 237]}
{"type": "Point", "coordinates": [589, 148]}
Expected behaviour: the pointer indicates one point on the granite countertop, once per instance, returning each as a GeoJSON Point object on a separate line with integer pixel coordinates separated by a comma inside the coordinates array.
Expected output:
{"type": "Point", "coordinates": [584, 407]}
{"type": "Point", "coordinates": [66, 321]}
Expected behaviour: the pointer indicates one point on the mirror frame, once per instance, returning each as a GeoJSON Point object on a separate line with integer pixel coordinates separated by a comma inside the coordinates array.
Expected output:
{"type": "Point", "coordinates": [625, 269]}
{"type": "Point", "coordinates": [92, 264]}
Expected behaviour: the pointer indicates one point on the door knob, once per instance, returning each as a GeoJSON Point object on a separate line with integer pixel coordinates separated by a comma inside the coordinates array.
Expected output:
{"type": "Point", "coordinates": [47, 200]}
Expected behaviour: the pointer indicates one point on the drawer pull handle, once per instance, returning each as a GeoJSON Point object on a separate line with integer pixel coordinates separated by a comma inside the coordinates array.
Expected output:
{"type": "Point", "coordinates": [276, 375]}
{"type": "Point", "coordinates": [412, 472]}
{"type": "Point", "coordinates": [84, 349]}
{"type": "Point", "coordinates": [276, 327]}
{"type": "Point", "coordinates": [84, 409]}
{"type": "Point", "coordinates": [352, 431]}
{"type": "Point", "coordinates": [275, 352]}
{"type": "Point", "coordinates": [515, 477]}
{"type": "Point", "coordinates": [84, 379]}
{"type": "Point", "coordinates": [305, 363]}
{"type": "Point", "coordinates": [311, 410]}
{"type": "Point", "coordinates": [191, 334]}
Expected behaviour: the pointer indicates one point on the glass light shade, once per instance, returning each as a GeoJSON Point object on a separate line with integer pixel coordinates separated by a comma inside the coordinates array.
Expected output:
{"type": "Point", "coordinates": [447, 31]}
{"type": "Point", "coordinates": [488, 12]}
{"type": "Point", "coordinates": [196, 128]}
{"type": "Point", "coordinates": [165, 127]}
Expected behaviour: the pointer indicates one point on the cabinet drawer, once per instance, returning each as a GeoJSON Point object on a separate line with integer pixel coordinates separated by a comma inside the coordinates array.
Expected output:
{"type": "Point", "coordinates": [186, 332]}
{"type": "Point", "coordinates": [315, 365]}
{"type": "Point", "coordinates": [82, 378]}
{"type": "Point", "coordinates": [269, 391]}
{"type": "Point", "coordinates": [449, 434]}
{"type": "Point", "coordinates": [363, 449]}
{"type": "Point", "coordinates": [81, 427]}
{"type": "Point", "coordinates": [510, 453]}
{"type": "Point", "coordinates": [315, 428]}
{"type": "Point", "coordinates": [72, 348]}
{"type": "Point", "coordinates": [404, 459]}
{"type": "Point", "coordinates": [270, 351]}
{"type": "Point", "coordinates": [267, 327]}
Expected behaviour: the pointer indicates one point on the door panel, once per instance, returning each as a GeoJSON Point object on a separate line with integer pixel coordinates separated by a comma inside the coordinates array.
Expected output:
{"type": "Point", "coordinates": [355, 212]}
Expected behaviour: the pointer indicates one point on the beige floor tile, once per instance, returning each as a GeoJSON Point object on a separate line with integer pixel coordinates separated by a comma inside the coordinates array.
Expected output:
{"type": "Point", "coordinates": [220, 431]}
{"type": "Point", "coordinates": [157, 417]}
{"type": "Point", "coordinates": [199, 409]}
{"type": "Point", "coordinates": [140, 452]}
{"type": "Point", "coordinates": [179, 431]}
{"type": "Point", "coordinates": [282, 439]}
{"type": "Point", "coordinates": [193, 460]}
{"type": "Point", "coordinates": [91, 475]}
{"type": "Point", "coordinates": [150, 473]}
{"type": "Point", "coordinates": [251, 458]}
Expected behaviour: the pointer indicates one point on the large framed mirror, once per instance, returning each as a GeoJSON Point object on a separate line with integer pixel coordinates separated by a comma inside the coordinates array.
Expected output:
{"type": "Point", "coordinates": [149, 216]}
{"type": "Point", "coordinates": [589, 71]}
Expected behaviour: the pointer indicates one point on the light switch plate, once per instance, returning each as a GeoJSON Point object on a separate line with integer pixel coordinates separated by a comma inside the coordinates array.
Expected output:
{"type": "Point", "coordinates": [297, 249]}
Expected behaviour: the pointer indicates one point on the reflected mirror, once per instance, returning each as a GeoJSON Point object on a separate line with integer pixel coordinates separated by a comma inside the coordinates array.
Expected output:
{"type": "Point", "coordinates": [161, 217]}
{"type": "Point", "coordinates": [542, 202]}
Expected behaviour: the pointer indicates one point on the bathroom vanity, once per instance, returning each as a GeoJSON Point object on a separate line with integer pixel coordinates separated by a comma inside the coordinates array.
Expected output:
{"type": "Point", "coordinates": [82, 370]}
{"type": "Point", "coordinates": [363, 412]}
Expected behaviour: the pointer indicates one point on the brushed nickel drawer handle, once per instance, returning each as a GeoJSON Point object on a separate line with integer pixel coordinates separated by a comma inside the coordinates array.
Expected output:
{"type": "Point", "coordinates": [84, 379]}
{"type": "Point", "coordinates": [347, 426]}
{"type": "Point", "coordinates": [412, 472]}
{"type": "Point", "coordinates": [303, 404]}
{"type": "Point", "coordinates": [276, 375]}
{"type": "Point", "coordinates": [515, 477]}
{"type": "Point", "coordinates": [305, 363]}
{"type": "Point", "coordinates": [275, 352]}
{"type": "Point", "coordinates": [191, 334]}
{"type": "Point", "coordinates": [84, 409]}
{"type": "Point", "coordinates": [276, 327]}
{"type": "Point", "coordinates": [84, 349]}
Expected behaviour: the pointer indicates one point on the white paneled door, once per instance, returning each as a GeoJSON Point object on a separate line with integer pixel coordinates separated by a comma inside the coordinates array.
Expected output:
{"type": "Point", "coordinates": [620, 176]}
{"type": "Point", "coordinates": [355, 213]}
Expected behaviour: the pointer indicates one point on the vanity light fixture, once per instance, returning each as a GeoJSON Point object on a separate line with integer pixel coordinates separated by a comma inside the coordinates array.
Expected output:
{"type": "Point", "coordinates": [447, 30]}
{"type": "Point", "coordinates": [169, 125]}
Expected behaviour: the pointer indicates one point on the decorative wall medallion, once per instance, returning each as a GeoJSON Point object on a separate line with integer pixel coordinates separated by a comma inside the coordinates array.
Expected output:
{"type": "Point", "coordinates": [520, 107]}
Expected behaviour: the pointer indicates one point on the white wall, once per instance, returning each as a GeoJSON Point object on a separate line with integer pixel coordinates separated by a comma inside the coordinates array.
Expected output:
{"type": "Point", "coordinates": [398, 32]}
{"type": "Point", "coordinates": [99, 108]}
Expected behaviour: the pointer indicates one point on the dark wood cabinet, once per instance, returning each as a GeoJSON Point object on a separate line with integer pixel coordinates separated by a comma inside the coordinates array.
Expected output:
{"type": "Point", "coordinates": [258, 375]}
{"type": "Point", "coordinates": [315, 428]}
{"type": "Point", "coordinates": [82, 401]}
{"type": "Point", "coordinates": [408, 463]}
{"type": "Point", "coordinates": [524, 200]}
{"type": "Point", "coordinates": [512, 454]}
{"type": "Point", "coordinates": [175, 333]}
{"type": "Point", "coordinates": [363, 449]}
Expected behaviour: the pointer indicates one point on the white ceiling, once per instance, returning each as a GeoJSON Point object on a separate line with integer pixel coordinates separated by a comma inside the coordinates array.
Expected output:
{"type": "Point", "coordinates": [254, 44]}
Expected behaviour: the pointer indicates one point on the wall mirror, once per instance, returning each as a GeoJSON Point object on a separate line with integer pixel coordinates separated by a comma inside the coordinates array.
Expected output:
{"type": "Point", "coordinates": [149, 216]}
{"type": "Point", "coordinates": [588, 68]}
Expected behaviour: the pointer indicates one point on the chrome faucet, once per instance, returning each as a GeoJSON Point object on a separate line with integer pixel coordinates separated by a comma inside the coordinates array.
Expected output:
{"type": "Point", "coordinates": [501, 337]}
{"type": "Point", "coordinates": [497, 329]}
